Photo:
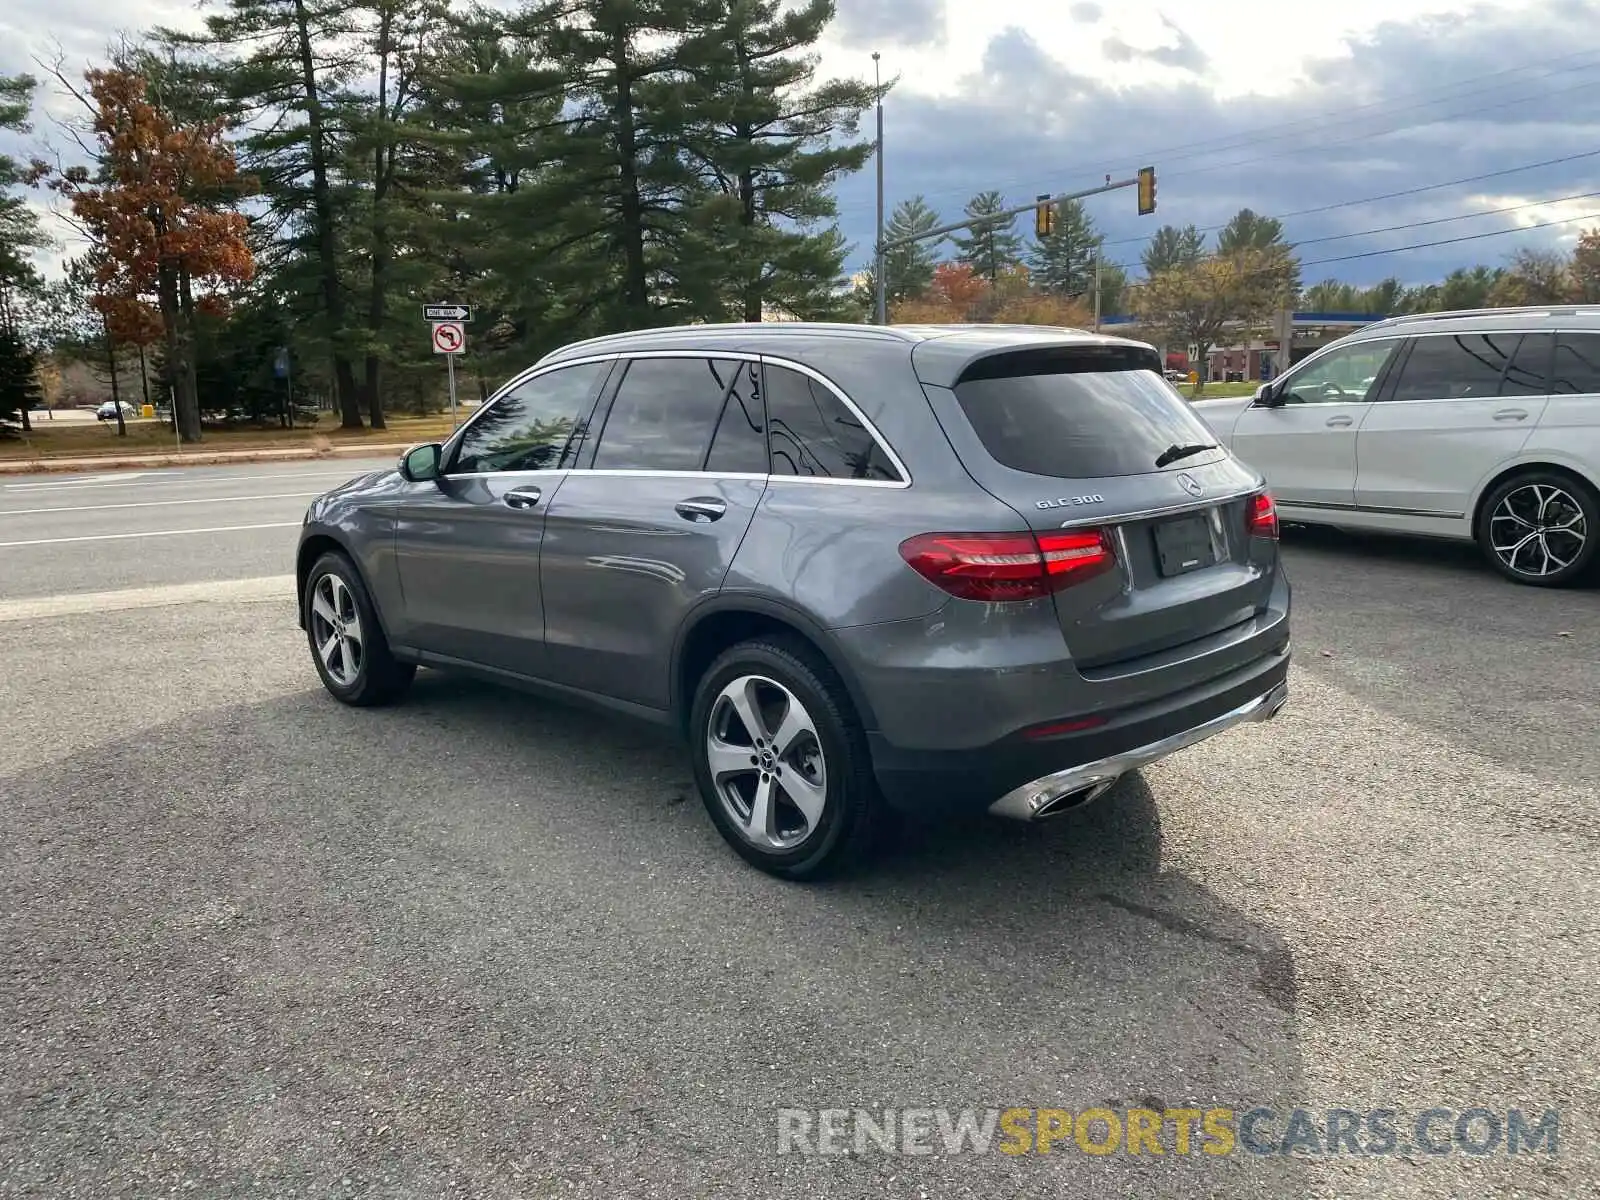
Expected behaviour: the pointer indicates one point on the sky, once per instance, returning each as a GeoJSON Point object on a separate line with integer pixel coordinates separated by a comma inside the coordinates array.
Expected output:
{"type": "Point", "coordinates": [1236, 104]}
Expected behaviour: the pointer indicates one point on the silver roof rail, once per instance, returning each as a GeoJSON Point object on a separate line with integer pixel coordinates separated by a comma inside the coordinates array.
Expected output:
{"type": "Point", "coordinates": [1544, 310]}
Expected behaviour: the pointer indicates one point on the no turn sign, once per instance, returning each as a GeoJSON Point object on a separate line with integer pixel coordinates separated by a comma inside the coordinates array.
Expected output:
{"type": "Point", "coordinates": [449, 337]}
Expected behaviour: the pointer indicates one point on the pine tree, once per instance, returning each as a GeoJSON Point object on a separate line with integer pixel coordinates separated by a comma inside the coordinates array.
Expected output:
{"type": "Point", "coordinates": [991, 247]}
{"type": "Point", "coordinates": [908, 270]}
{"type": "Point", "coordinates": [290, 67]}
{"type": "Point", "coordinates": [1062, 263]}
{"type": "Point", "coordinates": [19, 381]}
{"type": "Point", "coordinates": [619, 195]}
{"type": "Point", "coordinates": [1249, 230]}
{"type": "Point", "coordinates": [373, 155]}
{"type": "Point", "coordinates": [768, 146]}
{"type": "Point", "coordinates": [484, 143]}
{"type": "Point", "coordinates": [1173, 247]}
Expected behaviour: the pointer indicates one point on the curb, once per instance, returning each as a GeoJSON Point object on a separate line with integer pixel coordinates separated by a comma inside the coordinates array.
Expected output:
{"type": "Point", "coordinates": [201, 458]}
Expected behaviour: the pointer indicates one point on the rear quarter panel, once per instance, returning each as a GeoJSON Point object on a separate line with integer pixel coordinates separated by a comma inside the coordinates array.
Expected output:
{"type": "Point", "coordinates": [832, 548]}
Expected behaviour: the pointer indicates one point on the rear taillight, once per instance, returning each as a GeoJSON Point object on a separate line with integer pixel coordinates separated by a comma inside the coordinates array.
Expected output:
{"type": "Point", "coordinates": [1263, 518]}
{"type": "Point", "coordinates": [1008, 566]}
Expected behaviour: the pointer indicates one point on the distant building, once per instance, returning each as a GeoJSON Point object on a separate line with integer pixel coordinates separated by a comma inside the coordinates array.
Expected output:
{"type": "Point", "coordinates": [1246, 358]}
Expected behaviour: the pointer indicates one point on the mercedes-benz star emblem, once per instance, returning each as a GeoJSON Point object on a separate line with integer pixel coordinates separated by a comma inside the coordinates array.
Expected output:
{"type": "Point", "coordinates": [1190, 484]}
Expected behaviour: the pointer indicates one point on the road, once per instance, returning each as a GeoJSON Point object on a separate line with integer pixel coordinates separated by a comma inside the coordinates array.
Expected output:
{"type": "Point", "coordinates": [483, 945]}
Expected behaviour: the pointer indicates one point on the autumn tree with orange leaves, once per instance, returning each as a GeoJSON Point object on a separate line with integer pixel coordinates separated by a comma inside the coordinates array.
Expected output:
{"type": "Point", "coordinates": [958, 294]}
{"type": "Point", "coordinates": [158, 211]}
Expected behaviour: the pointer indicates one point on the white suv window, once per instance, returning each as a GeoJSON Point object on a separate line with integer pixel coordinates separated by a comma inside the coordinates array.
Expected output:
{"type": "Point", "coordinates": [1457, 366]}
{"type": "Point", "coordinates": [1577, 365]}
{"type": "Point", "coordinates": [1340, 376]}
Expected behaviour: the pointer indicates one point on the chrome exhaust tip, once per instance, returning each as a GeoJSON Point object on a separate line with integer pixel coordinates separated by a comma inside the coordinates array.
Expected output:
{"type": "Point", "coordinates": [1063, 802]}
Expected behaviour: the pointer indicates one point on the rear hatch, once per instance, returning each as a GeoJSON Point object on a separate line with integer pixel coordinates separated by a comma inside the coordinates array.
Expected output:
{"type": "Point", "coordinates": [1088, 438]}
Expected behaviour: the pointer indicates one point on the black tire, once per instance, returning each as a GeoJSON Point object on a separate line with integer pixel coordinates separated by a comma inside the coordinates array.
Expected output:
{"type": "Point", "coordinates": [379, 678]}
{"type": "Point", "coordinates": [851, 819]}
{"type": "Point", "coordinates": [1581, 493]}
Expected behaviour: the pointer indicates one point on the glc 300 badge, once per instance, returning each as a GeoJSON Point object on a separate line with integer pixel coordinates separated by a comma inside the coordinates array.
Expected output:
{"type": "Point", "coordinates": [1069, 501]}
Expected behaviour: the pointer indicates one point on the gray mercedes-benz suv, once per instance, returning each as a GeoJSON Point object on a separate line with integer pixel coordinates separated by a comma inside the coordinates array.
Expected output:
{"type": "Point", "coordinates": [916, 567]}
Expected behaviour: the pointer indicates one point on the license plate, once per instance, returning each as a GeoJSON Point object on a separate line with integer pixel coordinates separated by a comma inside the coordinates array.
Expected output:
{"type": "Point", "coordinates": [1183, 545]}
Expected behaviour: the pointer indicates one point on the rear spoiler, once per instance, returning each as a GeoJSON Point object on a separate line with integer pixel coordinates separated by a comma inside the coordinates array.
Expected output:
{"type": "Point", "coordinates": [945, 362]}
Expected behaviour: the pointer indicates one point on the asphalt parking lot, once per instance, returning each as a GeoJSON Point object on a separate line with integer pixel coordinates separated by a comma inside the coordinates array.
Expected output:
{"type": "Point", "coordinates": [483, 945]}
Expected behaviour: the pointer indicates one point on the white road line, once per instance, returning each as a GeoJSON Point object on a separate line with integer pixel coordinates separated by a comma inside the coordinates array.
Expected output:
{"type": "Point", "coordinates": [21, 512]}
{"type": "Point", "coordinates": [117, 537]}
{"type": "Point", "coordinates": [148, 480]}
{"type": "Point", "coordinates": [235, 591]}
{"type": "Point", "coordinates": [99, 481]}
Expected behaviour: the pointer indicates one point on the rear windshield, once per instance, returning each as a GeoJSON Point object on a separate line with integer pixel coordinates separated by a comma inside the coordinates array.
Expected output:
{"type": "Point", "coordinates": [1077, 416]}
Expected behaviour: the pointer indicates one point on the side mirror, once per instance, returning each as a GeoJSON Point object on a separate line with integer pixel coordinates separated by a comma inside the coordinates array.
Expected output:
{"type": "Point", "coordinates": [1268, 397]}
{"type": "Point", "coordinates": [421, 463]}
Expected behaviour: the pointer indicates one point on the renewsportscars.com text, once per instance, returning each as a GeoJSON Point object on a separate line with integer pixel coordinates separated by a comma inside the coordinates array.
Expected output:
{"type": "Point", "coordinates": [1178, 1131]}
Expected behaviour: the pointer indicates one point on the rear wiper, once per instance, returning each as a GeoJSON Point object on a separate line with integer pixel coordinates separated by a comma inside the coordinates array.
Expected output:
{"type": "Point", "coordinates": [1173, 453]}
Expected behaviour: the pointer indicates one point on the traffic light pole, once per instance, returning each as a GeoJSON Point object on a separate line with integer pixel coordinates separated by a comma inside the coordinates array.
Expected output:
{"type": "Point", "coordinates": [880, 287]}
{"type": "Point", "coordinates": [1006, 215]}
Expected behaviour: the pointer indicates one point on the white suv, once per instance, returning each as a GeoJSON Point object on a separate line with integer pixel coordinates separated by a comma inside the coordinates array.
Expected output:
{"type": "Point", "coordinates": [1481, 426]}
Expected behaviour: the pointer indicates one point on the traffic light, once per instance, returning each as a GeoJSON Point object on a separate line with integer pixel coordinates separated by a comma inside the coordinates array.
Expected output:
{"type": "Point", "coordinates": [1147, 191]}
{"type": "Point", "coordinates": [1044, 217]}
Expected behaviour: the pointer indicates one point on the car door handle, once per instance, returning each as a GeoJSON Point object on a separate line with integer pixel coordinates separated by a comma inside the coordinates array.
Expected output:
{"type": "Point", "coordinates": [701, 508]}
{"type": "Point", "coordinates": [1339, 422]}
{"type": "Point", "coordinates": [1511, 414]}
{"type": "Point", "coordinates": [523, 497]}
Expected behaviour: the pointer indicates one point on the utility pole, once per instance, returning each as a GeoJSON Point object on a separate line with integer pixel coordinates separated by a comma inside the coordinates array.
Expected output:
{"type": "Point", "coordinates": [1097, 291]}
{"type": "Point", "coordinates": [880, 289]}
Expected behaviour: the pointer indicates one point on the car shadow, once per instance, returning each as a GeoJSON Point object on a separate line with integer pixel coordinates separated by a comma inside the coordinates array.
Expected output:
{"type": "Point", "coordinates": [483, 941]}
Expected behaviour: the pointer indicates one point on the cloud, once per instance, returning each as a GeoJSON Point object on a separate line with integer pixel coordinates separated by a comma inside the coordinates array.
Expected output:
{"type": "Point", "coordinates": [1406, 105]}
{"type": "Point", "coordinates": [885, 23]}
{"type": "Point", "coordinates": [1086, 13]}
{"type": "Point", "coordinates": [1186, 55]}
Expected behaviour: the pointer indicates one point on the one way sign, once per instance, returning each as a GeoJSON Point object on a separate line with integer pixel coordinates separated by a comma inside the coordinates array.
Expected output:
{"type": "Point", "coordinates": [447, 312]}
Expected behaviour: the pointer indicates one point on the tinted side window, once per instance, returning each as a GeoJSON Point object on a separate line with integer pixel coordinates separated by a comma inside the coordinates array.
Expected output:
{"type": "Point", "coordinates": [1577, 366]}
{"type": "Point", "coordinates": [739, 445]}
{"type": "Point", "coordinates": [663, 415]}
{"type": "Point", "coordinates": [1462, 366]}
{"type": "Point", "coordinates": [812, 434]}
{"type": "Point", "coordinates": [1339, 377]}
{"type": "Point", "coordinates": [538, 426]}
{"type": "Point", "coordinates": [1529, 366]}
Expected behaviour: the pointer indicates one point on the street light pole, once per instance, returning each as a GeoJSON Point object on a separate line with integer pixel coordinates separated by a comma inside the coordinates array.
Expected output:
{"type": "Point", "coordinates": [881, 304]}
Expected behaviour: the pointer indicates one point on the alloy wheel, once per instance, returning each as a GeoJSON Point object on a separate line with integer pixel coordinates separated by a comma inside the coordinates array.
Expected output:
{"type": "Point", "coordinates": [336, 630]}
{"type": "Point", "coordinates": [1538, 529]}
{"type": "Point", "coordinates": [766, 762]}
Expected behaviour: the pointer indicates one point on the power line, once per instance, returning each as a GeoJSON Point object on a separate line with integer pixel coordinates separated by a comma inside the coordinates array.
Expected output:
{"type": "Point", "coordinates": [1467, 237]}
{"type": "Point", "coordinates": [1487, 212]}
{"type": "Point", "coordinates": [1412, 191]}
{"type": "Point", "coordinates": [1251, 136]}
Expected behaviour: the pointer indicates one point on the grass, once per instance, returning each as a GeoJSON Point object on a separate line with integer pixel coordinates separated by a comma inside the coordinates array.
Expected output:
{"type": "Point", "coordinates": [1215, 391]}
{"type": "Point", "coordinates": [97, 439]}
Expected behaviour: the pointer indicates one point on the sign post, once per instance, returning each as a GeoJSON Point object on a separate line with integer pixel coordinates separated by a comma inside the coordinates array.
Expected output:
{"type": "Point", "coordinates": [450, 339]}
{"type": "Point", "coordinates": [280, 368]}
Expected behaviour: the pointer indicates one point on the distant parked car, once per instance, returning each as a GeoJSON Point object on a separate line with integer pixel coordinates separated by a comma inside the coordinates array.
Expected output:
{"type": "Point", "coordinates": [108, 411]}
{"type": "Point", "coordinates": [1477, 426]}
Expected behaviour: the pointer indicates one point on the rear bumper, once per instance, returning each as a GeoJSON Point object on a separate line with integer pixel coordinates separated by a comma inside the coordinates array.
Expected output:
{"type": "Point", "coordinates": [1082, 783]}
{"type": "Point", "coordinates": [1029, 779]}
